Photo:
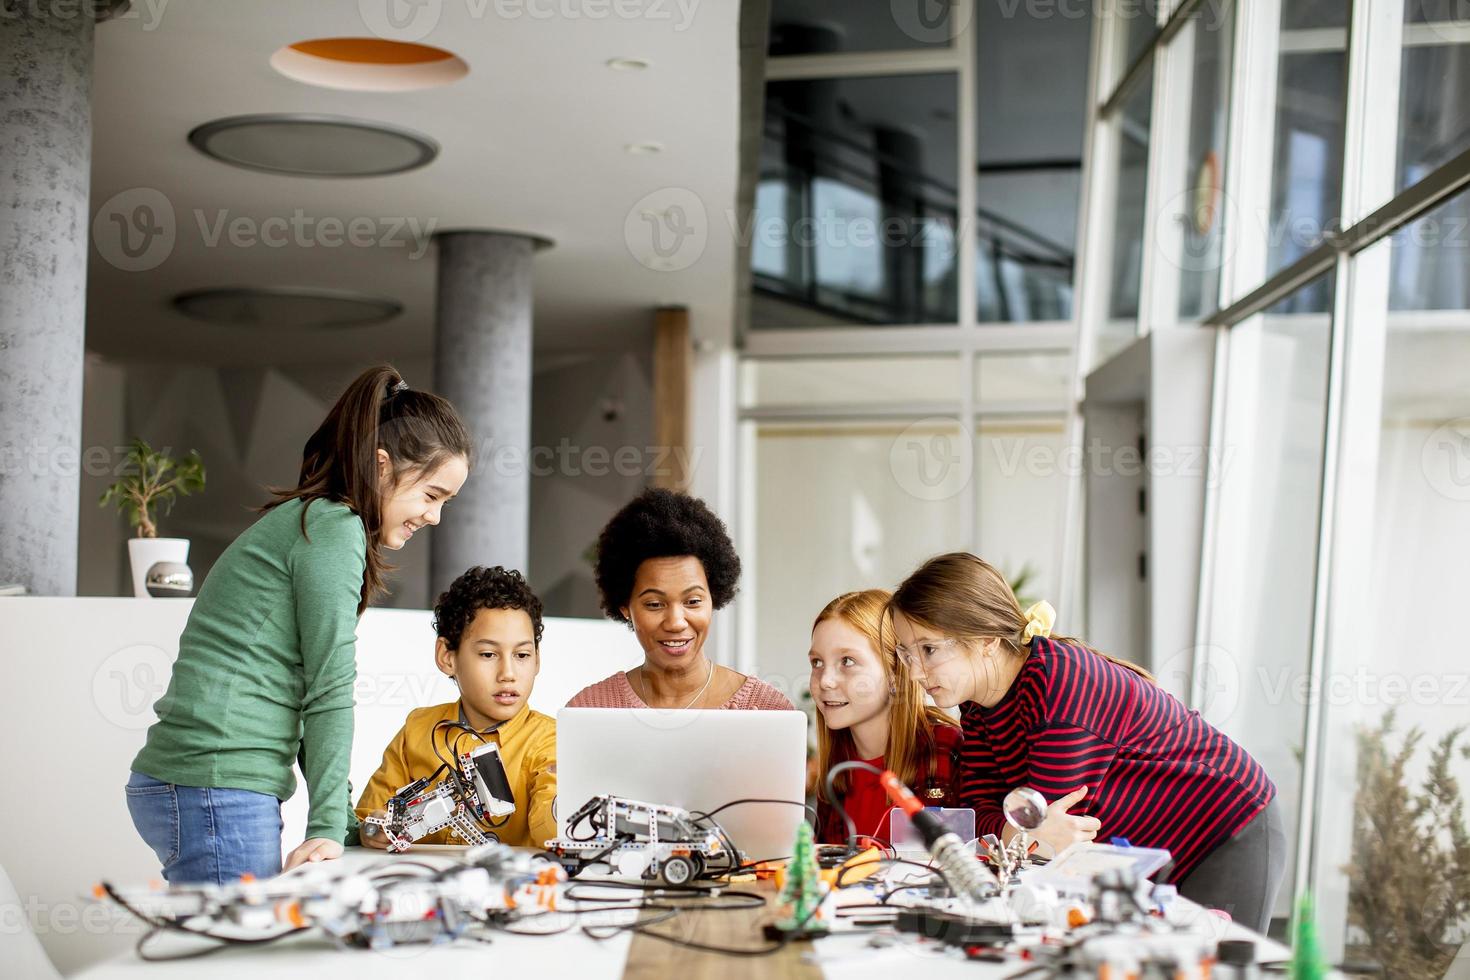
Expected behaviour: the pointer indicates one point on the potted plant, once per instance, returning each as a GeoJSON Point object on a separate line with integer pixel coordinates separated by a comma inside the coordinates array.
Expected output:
{"type": "Point", "coordinates": [150, 480]}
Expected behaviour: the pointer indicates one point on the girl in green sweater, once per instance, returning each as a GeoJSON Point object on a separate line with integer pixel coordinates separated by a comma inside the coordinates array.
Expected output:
{"type": "Point", "coordinates": [267, 660]}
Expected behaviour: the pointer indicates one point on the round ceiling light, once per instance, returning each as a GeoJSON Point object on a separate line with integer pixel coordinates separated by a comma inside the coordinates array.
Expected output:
{"type": "Point", "coordinates": [285, 307]}
{"type": "Point", "coordinates": [627, 64]}
{"type": "Point", "coordinates": [644, 149]}
{"type": "Point", "coordinates": [367, 64]}
{"type": "Point", "coordinates": [308, 145]}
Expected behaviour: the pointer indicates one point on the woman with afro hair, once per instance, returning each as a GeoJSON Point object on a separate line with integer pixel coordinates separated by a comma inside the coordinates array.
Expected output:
{"type": "Point", "coordinates": [664, 565]}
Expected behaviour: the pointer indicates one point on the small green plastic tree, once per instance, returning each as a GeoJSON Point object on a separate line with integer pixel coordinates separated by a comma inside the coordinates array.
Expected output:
{"type": "Point", "coordinates": [803, 888]}
{"type": "Point", "coordinates": [150, 480]}
{"type": "Point", "coordinates": [1307, 962]}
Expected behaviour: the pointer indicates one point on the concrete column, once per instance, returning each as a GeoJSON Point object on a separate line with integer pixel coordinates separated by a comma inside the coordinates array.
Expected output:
{"type": "Point", "coordinates": [482, 363]}
{"type": "Point", "coordinates": [45, 170]}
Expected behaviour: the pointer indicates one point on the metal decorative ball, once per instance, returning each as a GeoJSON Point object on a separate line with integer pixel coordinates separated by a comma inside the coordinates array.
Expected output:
{"type": "Point", "coordinates": [170, 580]}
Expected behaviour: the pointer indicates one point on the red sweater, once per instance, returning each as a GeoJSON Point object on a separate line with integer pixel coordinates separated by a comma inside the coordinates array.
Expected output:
{"type": "Point", "coordinates": [867, 802]}
{"type": "Point", "coordinates": [1156, 772]}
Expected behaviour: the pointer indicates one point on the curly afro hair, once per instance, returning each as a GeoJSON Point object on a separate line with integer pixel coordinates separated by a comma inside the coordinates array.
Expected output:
{"type": "Point", "coordinates": [483, 588]}
{"type": "Point", "coordinates": [663, 524]}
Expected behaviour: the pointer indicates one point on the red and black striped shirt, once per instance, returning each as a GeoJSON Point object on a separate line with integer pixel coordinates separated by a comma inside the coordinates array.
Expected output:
{"type": "Point", "coordinates": [1156, 772]}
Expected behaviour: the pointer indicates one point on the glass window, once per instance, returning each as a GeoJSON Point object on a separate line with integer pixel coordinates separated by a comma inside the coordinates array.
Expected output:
{"type": "Point", "coordinates": [1026, 377]}
{"type": "Point", "coordinates": [864, 502]}
{"type": "Point", "coordinates": [1199, 209]}
{"type": "Point", "coordinates": [1022, 488]}
{"type": "Point", "coordinates": [1269, 468]}
{"type": "Point", "coordinates": [815, 381]}
{"type": "Point", "coordinates": [1129, 202]}
{"type": "Point", "coordinates": [1031, 115]}
{"type": "Point", "coordinates": [1137, 23]}
{"type": "Point", "coordinates": [1306, 194]}
{"type": "Point", "coordinates": [829, 26]}
{"type": "Point", "coordinates": [1434, 114]}
{"type": "Point", "coordinates": [855, 203]}
{"type": "Point", "coordinates": [1397, 696]}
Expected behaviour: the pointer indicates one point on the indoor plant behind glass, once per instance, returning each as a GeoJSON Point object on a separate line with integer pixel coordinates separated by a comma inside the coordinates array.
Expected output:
{"type": "Point", "coordinates": [149, 480]}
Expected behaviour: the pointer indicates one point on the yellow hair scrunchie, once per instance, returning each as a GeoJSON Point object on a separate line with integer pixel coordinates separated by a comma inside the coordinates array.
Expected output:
{"type": "Point", "coordinates": [1039, 620]}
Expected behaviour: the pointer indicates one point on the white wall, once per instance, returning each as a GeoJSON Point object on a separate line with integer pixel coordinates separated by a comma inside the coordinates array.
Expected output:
{"type": "Point", "coordinates": [84, 675]}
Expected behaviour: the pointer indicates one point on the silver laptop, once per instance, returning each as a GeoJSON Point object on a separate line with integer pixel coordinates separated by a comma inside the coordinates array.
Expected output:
{"type": "Point", "coordinates": [695, 759]}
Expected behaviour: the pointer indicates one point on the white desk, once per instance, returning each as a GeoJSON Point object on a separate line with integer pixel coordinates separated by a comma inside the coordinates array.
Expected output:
{"type": "Point", "coordinates": [854, 955]}
{"type": "Point", "coordinates": [314, 955]}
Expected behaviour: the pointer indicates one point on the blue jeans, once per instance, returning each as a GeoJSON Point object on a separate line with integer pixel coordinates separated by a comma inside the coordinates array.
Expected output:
{"type": "Point", "coordinates": [207, 835]}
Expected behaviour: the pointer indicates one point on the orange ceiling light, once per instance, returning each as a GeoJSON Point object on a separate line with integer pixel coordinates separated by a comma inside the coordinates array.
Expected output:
{"type": "Point", "coordinates": [367, 64]}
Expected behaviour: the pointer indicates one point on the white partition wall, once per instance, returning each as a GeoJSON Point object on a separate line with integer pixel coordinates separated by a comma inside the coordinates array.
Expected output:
{"type": "Point", "coordinates": [83, 676]}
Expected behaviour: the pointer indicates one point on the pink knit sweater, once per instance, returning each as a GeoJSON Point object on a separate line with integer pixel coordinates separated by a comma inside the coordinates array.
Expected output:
{"type": "Point", "coordinates": [616, 692]}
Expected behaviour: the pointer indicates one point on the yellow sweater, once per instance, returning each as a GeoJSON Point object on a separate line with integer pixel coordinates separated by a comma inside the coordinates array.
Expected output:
{"type": "Point", "coordinates": [527, 749]}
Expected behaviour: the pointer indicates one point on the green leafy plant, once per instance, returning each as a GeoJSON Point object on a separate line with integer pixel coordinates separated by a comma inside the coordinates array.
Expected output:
{"type": "Point", "coordinates": [151, 480]}
{"type": "Point", "coordinates": [1021, 585]}
{"type": "Point", "coordinates": [1409, 893]}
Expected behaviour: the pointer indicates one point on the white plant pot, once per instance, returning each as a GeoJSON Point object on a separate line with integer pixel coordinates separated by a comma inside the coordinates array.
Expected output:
{"type": "Point", "coordinates": [144, 553]}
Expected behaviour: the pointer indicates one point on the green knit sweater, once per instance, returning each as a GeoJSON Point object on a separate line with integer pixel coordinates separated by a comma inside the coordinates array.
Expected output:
{"type": "Point", "coordinates": [266, 666]}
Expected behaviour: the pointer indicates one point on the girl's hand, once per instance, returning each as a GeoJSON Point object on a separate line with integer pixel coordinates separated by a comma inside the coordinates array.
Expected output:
{"type": "Point", "coordinates": [372, 835]}
{"type": "Point", "coordinates": [314, 849]}
{"type": "Point", "coordinates": [1061, 829]}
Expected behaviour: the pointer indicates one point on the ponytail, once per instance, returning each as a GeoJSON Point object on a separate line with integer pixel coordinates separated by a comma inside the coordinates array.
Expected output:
{"type": "Point", "coordinates": [419, 431]}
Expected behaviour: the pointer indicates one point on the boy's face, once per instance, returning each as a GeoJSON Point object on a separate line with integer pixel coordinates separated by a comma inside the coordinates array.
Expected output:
{"type": "Point", "coordinates": [495, 665]}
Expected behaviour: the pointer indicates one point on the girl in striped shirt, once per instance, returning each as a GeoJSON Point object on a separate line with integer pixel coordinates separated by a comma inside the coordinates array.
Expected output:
{"type": "Point", "coordinates": [1117, 755]}
{"type": "Point", "coordinates": [868, 710]}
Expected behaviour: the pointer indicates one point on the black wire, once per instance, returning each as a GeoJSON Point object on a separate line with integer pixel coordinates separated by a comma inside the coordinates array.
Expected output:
{"type": "Point", "coordinates": [832, 797]}
{"type": "Point", "coordinates": [157, 926]}
{"type": "Point", "coordinates": [705, 814]}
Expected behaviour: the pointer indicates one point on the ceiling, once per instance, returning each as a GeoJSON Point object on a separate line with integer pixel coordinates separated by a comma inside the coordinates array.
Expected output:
{"type": "Point", "coordinates": [532, 140]}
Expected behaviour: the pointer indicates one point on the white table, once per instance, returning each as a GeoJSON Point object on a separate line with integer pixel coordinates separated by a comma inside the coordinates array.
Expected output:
{"type": "Point", "coordinates": [850, 955]}
{"type": "Point", "coordinates": [314, 955]}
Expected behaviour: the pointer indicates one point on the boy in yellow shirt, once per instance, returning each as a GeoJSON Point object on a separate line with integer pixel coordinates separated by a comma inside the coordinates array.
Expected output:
{"type": "Point", "coordinates": [489, 626]}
